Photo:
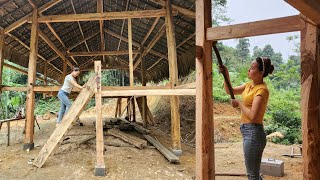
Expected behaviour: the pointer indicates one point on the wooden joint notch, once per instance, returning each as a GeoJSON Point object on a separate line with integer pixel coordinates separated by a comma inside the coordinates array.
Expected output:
{"type": "Point", "coordinates": [199, 52]}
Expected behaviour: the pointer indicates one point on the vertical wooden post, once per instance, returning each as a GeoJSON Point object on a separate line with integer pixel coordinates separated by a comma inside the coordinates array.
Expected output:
{"type": "Point", "coordinates": [45, 74]}
{"type": "Point", "coordinates": [204, 99]}
{"type": "Point", "coordinates": [100, 169]}
{"type": "Point", "coordinates": [28, 140]}
{"type": "Point", "coordinates": [2, 44]}
{"type": "Point", "coordinates": [133, 104]}
{"type": "Point", "coordinates": [130, 51]}
{"type": "Point", "coordinates": [310, 99]}
{"type": "Point", "coordinates": [144, 98]}
{"type": "Point", "coordinates": [173, 76]}
{"type": "Point", "coordinates": [64, 71]}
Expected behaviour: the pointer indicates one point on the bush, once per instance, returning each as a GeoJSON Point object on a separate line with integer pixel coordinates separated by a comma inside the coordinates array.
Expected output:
{"type": "Point", "coordinates": [48, 105]}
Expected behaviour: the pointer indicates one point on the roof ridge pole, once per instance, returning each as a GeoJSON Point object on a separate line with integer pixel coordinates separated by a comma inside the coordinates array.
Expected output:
{"type": "Point", "coordinates": [310, 98]}
{"type": "Point", "coordinates": [204, 99]}
{"type": "Point", "coordinates": [28, 139]}
{"type": "Point", "coordinates": [173, 80]}
{"type": "Point", "coordinates": [2, 46]}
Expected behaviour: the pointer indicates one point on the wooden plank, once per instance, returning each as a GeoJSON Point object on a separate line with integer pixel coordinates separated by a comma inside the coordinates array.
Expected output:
{"type": "Point", "coordinates": [309, 8]}
{"type": "Point", "coordinates": [173, 78]}
{"type": "Point", "coordinates": [70, 116]}
{"type": "Point", "coordinates": [29, 131]}
{"type": "Point", "coordinates": [130, 52]}
{"type": "Point", "coordinates": [183, 11]}
{"type": "Point", "coordinates": [204, 99]}
{"type": "Point", "coordinates": [101, 53]}
{"type": "Point", "coordinates": [2, 46]}
{"type": "Point", "coordinates": [100, 165]}
{"type": "Point", "coordinates": [24, 19]}
{"type": "Point", "coordinates": [103, 16]}
{"type": "Point", "coordinates": [137, 142]}
{"type": "Point", "coordinates": [310, 98]}
{"type": "Point", "coordinates": [166, 153]}
{"type": "Point", "coordinates": [149, 92]}
{"type": "Point", "coordinates": [257, 28]}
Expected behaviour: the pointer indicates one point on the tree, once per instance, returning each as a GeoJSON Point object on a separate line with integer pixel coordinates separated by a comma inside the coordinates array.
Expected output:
{"type": "Point", "coordinates": [219, 12]}
{"type": "Point", "coordinates": [243, 51]}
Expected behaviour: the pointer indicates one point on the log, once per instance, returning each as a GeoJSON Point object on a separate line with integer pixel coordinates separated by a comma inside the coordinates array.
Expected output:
{"type": "Point", "coordinates": [137, 142]}
{"type": "Point", "coordinates": [167, 154]}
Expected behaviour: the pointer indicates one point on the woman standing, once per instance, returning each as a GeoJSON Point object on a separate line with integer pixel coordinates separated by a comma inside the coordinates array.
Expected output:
{"type": "Point", "coordinates": [255, 95]}
{"type": "Point", "coordinates": [68, 84]}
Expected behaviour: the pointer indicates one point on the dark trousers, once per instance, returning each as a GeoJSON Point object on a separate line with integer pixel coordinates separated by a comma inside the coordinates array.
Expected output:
{"type": "Point", "coordinates": [254, 142]}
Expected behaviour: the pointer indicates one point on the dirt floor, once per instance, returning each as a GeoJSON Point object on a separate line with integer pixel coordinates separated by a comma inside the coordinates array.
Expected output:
{"type": "Point", "coordinates": [74, 160]}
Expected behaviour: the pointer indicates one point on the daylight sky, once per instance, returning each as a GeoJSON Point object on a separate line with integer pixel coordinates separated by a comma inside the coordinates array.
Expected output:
{"type": "Point", "coordinates": [241, 11]}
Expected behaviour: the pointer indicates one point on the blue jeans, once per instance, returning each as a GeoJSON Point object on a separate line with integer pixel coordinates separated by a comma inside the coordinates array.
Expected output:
{"type": "Point", "coordinates": [65, 104]}
{"type": "Point", "coordinates": [254, 142]}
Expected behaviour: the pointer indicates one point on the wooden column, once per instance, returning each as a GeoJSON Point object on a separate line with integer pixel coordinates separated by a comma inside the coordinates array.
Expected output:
{"type": "Point", "coordinates": [130, 52]}
{"type": "Point", "coordinates": [64, 71]}
{"type": "Point", "coordinates": [100, 169]}
{"type": "Point", "coordinates": [144, 98]}
{"type": "Point", "coordinates": [45, 74]}
{"type": "Point", "coordinates": [173, 76]}
{"type": "Point", "coordinates": [28, 139]}
{"type": "Point", "coordinates": [310, 99]}
{"type": "Point", "coordinates": [2, 44]}
{"type": "Point", "coordinates": [204, 99]}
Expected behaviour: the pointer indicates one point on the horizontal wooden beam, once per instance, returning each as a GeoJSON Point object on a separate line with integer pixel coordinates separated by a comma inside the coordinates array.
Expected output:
{"type": "Point", "coordinates": [309, 8]}
{"type": "Point", "coordinates": [271, 26]}
{"type": "Point", "coordinates": [25, 18]}
{"type": "Point", "coordinates": [100, 53]}
{"type": "Point", "coordinates": [150, 92]}
{"type": "Point", "coordinates": [183, 11]}
{"type": "Point", "coordinates": [103, 16]}
{"type": "Point", "coordinates": [24, 72]}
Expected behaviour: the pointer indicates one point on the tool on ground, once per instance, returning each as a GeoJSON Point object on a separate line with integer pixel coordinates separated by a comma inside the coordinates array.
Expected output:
{"type": "Point", "coordinates": [220, 64]}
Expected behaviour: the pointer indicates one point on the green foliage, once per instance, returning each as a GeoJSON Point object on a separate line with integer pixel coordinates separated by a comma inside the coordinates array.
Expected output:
{"type": "Point", "coordinates": [43, 106]}
{"type": "Point", "coordinates": [243, 51]}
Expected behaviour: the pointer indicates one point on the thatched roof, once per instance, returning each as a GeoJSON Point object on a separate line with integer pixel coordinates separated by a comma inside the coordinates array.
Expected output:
{"type": "Point", "coordinates": [72, 33]}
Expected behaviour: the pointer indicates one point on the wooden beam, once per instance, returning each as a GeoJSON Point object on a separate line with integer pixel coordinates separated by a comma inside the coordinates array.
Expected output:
{"type": "Point", "coordinates": [100, 53]}
{"type": "Point", "coordinates": [71, 115]}
{"type": "Point", "coordinates": [54, 48]}
{"type": "Point", "coordinates": [309, 8]}
{"type": "Point", "coordinates": [310, 99]}
{"type": "Point", "coordinates": [24, 72]}
{"type": "Point", "coordinates": [184, 41]}
{"type": "Point", "coordinates": [32, 4]}
{"type": "Point", "coordinates": [103, 16]}
{"type": "Point", "coordinates": [100, 168]}
{"type": "Point", "coordinates": [257, 28]}
{"type": "Point", "coordinates": [29, 131]}
{"type": "Point", "coordinates": [204, 100]}
{"type": "Point", "coordinates": [152, 43]}
{"type": "Point", "coordinates": [27, 47]}
{"type": "Point", "coordinates": [166, 153]}
{"type": "Point", "coordinates": [135, 44]}
{"type": "Point", "coordinates": [173, 80]}
{"type": "Point", "coordinates": [24, 19]}
{"type": "Point", "coordinates": [82, 41]}
{"type": "Point", "coordinates": [130, 52]}
{"type": "Point", "coordinates": [183, 11]}
{"type": "Point", "coordinates": [149, 92]}
{"type": "Point", "coordinates": [2, 46]}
